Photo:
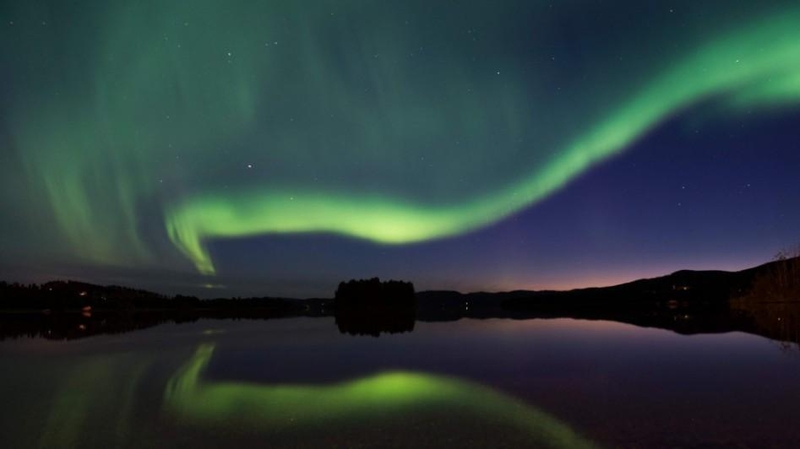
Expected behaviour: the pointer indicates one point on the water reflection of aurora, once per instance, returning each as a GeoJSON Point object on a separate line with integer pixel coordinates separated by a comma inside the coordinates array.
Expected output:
{"type": "Point", "coordinates": [383, 397]}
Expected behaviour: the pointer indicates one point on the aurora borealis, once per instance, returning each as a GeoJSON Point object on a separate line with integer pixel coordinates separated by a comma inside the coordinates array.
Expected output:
{"type": "Point", "coordinates": [437, 141]}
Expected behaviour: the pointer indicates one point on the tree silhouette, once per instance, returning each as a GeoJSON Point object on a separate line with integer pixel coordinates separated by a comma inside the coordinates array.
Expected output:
{"type": "Point", "coordinates": [370, 307]}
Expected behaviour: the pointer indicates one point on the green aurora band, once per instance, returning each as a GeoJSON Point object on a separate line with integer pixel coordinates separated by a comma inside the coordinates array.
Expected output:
{"type": "Point", "coordinates": [715, 70]}
{"type": "Point", "coordinates": [234, 120]}
{"type": "Point", "coordinates": [387, 395]}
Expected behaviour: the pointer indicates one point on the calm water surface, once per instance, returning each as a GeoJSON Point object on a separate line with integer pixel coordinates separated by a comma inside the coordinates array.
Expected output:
{"type": "Point", "coordinates": [557, 383]}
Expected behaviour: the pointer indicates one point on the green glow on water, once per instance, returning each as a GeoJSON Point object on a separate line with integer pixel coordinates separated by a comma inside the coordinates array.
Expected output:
{"type": "Point", "coordinates": [389, 395]}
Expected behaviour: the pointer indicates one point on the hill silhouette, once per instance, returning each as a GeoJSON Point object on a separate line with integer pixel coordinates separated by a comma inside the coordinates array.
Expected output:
{"type": "Point", "coordinates": [764, 300]}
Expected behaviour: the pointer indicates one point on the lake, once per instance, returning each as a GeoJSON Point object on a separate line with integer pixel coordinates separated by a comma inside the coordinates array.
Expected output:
{"type": "Point", "coordinates": [300, 383]}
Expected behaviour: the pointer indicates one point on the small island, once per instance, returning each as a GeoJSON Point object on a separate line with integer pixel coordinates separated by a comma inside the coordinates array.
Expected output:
{"type": "Point", "coordinates": [370, 307]}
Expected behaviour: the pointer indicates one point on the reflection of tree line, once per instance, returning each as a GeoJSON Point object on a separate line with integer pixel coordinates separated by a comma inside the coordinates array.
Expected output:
{"type": "Point", "coordinates": [778, 321]}
{"type": "Point", "coordinates": [71, 326]}
{"type": "Point", "coordinates": [775, 320]}
{"type": "Point", "coordinates": [773, 302]}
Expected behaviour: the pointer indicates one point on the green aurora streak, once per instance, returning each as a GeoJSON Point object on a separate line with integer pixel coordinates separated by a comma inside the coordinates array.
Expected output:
{"type": "Point", "coordinates": [334, 123]}
{"type": "Point", "coordinates": [771, 74]}
{"type": "Point", "coordinates": [388, 395]}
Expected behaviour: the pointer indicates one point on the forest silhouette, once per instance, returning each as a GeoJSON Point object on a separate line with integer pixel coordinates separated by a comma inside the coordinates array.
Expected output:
{"type": "Point", "coordinates": [372, 307]}
{"type": "Point", "coordinates": [763, 300]}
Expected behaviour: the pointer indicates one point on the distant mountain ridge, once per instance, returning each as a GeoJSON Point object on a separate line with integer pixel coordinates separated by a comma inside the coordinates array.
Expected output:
{"type": "Point", "coordinates": [706, 285]}
{"type": "Point", "coordinates": [683, 285]}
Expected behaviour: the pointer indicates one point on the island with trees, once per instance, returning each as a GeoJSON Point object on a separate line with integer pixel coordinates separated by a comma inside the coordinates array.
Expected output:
{"type": "Point", "coordinates": [371, 307]}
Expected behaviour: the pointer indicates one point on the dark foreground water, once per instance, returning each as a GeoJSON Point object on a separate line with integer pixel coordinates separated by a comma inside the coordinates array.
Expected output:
{"type": "Point", "coordinates": [558, 383]}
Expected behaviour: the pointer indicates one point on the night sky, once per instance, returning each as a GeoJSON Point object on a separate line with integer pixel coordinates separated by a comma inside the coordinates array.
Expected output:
{"type": "Point", "coordinates": [277, 147]}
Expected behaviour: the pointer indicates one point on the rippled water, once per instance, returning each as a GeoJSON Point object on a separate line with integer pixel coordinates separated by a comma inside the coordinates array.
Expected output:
{"type": "Point", "coordinates": [558, 383]}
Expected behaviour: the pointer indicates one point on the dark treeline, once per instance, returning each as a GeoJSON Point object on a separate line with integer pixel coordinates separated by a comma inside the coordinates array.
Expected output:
{"type": "Point", "coordinates": [776, 282]}
{"type": "Point", "coordinates": [372, 307]}
{"type": "Point", "coordinates": [72, 326]}
{"type": "Point", "coordinates": [71, 295]}
{"type": "Point", "coordinates": [764, 300]}
{"type": "Point", "coordinates": [369, 292]}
